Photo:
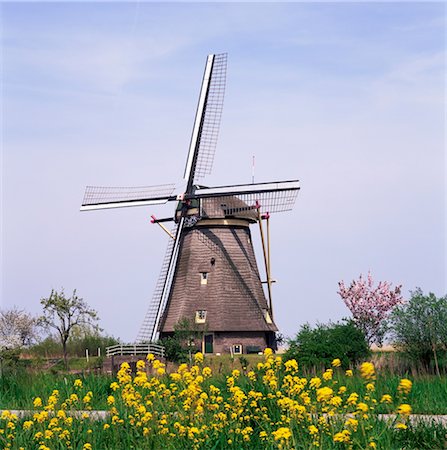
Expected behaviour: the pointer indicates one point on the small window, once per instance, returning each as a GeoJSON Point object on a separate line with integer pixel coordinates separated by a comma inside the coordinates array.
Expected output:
{"type": "Point", "coordinates": [204, 278]}
{"type": "Point", "coordinates": [237, 349]}
{"type": "Point", "coordinates": [200, 316]}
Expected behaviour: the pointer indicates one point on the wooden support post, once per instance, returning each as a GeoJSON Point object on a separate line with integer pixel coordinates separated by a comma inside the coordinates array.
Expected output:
{"type": "Point", "coordinates": [269, 275]}
{"type": "Point", "coordinates": [267, 270]}
{"type": "Point", "coordinates": [154, 220]}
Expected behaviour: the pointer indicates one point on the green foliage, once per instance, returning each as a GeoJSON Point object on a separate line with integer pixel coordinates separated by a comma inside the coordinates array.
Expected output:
{"type": "Point", "coordinates": [421, 436]}
{"type": "Point", "coordinates": [174, 350]}
{"type": "Point", "coordinates": [50, 347]}
{"type": "Point", "coordinates": [18, 389]}
{"type": "Point", "coordinates": [47, 348]}
{"type": "Point", "coordinates": [317, 347]}
{"type": "Point", "coordinates": [419, 327]}
{"type": "Point", "coordinates": [187, 339]}
{"type": "Point", "coordinates": [91, 341]}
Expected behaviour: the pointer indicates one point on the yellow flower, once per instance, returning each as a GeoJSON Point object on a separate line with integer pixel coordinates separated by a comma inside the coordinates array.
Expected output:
{"type": "Point", "coordinates": [87, 446]}
{"type": "Point", "coordinates": [336, 401]}
{"type": "Point", "coordinates": [114, 386]}
{"type": "Point", "coordinates": [37, 402]}
{"type": "Point", "coordinates": [343, 436]}
{"type": "Point", "coordinates": [48, 434]}
{"type": "Point", "coordinates": [363, 407]}
{"type": "Point", "coordinates": [110, 400]}
{"type": "Point", "coordinates": [282, 433]}
{"type": "Point", "coordinates": [150, 357]}
{"type": "Point", "coordinates": [324, 394]}
{"type": "Point", "coordinates": [313, 430]}
{"type": "Point", "coordinates": [198, 358]}
{"type": "Point", "coordinates": [386, 398]}
{"type": "Point", "coordinates": [176, 376]}
{"type": "Point", "coordinates": [367, 371]}
{"type": "Point", "coordinates": [372, 445]}
{"type": "Point", "coordinates": [291, 365]}
{"type": "Point", "coordinates": [206, 372]}
{"type": "Point", "coordinates": [404, 409]}
{"type": "Point", "coordinates": [336, 362]}
{"type": "Point", "coordinates": [268, 352]}
{"type": "Point", "coordinates": [405, 386]}
{"type": "Point", "coordinates": [352, 423]}
{"type": "Point", "coordinates": [141, 365]}
{"type": "Point", "coordinates": [27, 424]}
{"type": "Point", "coordinates": [352, 399]}
{"type": "Point", "coordinates": [349, 373]}
{"type": "Point", "coordinates": [106, 426]}
{"type": "Point", "coordinates": [315, 382]}
{"type": "Point", "coordinates": [370, 387]}
{"type": "Point", "coordinates": [235, 373]}
{"type": "Point", "coordinates": [327, 375]}
{"type": "Point", "coordinates": [77, 383]}
{"type": "Point", "coordinates": [400, 426]}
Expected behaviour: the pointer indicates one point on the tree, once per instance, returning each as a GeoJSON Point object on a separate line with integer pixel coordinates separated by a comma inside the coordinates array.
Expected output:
{"type": "Point", "coordinates": [319, 346]}
{"type": "Point", "coordinates": [187, 339]}
{"type": "Point", "coordinates": [419, 327]}
{"type": "Point", "coordinates": [63, 314]}
{"type": "Point", "coordinates": [370, 306]}
{"type": "Point", "coordinates": [17, 329]}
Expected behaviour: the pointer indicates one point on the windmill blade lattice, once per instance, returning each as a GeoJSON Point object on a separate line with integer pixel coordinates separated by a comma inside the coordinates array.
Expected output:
{"type": "Point", "coordinates": [245, 198]}
{"type": "Point", "coordinates": [212, 118]}
{"type": "Point", "coordinates": [148, 330]}
{"type": "Point", "coordinates": [207, 121]}
{"type": "Point", "coordinates": [110, 197]}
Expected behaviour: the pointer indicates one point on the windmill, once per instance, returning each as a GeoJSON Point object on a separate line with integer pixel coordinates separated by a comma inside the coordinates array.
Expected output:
{"type": "Point", "coordinates": [209, 274]}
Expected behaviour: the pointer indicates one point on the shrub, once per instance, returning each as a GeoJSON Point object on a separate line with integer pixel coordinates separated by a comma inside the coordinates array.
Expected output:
{"type": "Point", "coordinates": [419, 328]}
{"type": "Point", "coordinates": [173, 350]}
{"type": "Point", "coordinates": [316, 347]}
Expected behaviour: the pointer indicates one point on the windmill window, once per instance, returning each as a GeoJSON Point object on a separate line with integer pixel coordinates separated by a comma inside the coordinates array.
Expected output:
{"type": "Point", "coordinates": [237, 349]}
{"type": "Point", "coordinates": [203, 277]}
{"type": "Point", "coordinates": [200, 316]}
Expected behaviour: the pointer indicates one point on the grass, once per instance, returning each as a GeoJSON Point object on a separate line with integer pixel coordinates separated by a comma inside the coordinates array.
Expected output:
{"type": "Point", "coordinates": [184, 410]}
{"type": "Point", "coordinates": [18, 389]}
{"type": "Point", "coordinates": [428, 396]}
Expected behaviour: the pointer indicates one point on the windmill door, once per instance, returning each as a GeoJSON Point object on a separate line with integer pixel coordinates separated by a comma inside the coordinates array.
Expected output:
{"type": "Point", "coordinates": [208, 341]}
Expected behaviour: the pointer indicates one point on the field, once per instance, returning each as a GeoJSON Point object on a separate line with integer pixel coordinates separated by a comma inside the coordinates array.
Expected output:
{"type": "Point", "coordinates": [262, 403]}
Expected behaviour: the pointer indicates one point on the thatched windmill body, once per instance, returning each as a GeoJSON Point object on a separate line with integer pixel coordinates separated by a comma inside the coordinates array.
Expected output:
{"type": "Point", "coordinates": [209, 276]}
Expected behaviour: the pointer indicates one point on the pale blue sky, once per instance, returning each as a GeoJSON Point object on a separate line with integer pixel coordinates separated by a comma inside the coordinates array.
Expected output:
{"type": "Point", "coordinates": [347, 97]}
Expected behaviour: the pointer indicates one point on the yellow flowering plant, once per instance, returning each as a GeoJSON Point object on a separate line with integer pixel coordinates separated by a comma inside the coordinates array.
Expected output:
{"type": "Point", "coordinates": [271, 405]}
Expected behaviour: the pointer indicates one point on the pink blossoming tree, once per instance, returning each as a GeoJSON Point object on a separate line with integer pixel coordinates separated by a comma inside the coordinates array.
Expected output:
{"type": "Point", "coordinates": [370, 306]}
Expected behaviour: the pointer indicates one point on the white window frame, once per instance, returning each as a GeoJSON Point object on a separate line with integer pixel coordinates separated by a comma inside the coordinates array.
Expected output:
{"type": "Point", "coordinates": [240, 352]}
{"type": "Point", "coordinates": [201, 316]}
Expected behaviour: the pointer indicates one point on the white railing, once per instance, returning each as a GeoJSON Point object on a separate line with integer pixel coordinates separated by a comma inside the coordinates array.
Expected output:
{"type": "Point", "coordinates": [135, 349]}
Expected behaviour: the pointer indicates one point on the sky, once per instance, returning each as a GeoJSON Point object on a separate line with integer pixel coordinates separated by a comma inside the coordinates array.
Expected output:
{"type": "Point", "coordinates": [349, 98]}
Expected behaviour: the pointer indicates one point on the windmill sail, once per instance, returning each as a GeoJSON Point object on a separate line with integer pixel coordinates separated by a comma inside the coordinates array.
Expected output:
{"type": "Point", "coordinates": [148, 330]}
{"type": "Point", "coordinates": [98, 197]}
{"type": "Point", "coordinates": [207, 122]}
{"type": "Point", "coordinates": [269, 197]}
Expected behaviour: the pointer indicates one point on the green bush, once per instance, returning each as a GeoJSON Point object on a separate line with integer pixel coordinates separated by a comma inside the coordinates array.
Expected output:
{"type": "Point", "coordinates": [174, 351]}
{"type": "Point", "coordinates": [419, 328]}
{"type": "Point", "coordinates": [319, 346]}
{"type": "Point", "coordinates": [76, 345]}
